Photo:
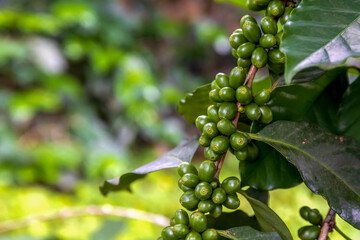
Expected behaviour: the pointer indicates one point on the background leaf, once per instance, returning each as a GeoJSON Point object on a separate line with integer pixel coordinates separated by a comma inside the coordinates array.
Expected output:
{"type": "Point", "coordinates": [182, 153]}
{"type": "Point", "coordinates": [301, 95]}
{"type": "Point", "coordinates": [195, 103]}
{"type": "Point", "coordinates": [269, 171]}
{"type": "Point", "coordinates": [321, 34]}
{"type": "Point", "coordinates": [268, 220]}
{"type": "Point", "coordinates": [329, 164]}
{"type": "Point", "coordinates": [233, 219]}
{"type": "Point", "coordinates": [247, 233]}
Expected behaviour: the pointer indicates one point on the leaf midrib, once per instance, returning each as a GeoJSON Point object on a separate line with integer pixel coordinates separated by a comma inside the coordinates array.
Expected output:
{"type": "Point", "coordinates": [256, 137]}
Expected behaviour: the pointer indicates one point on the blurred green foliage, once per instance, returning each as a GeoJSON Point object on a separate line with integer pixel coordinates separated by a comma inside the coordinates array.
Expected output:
{"type": "Point", "coordinates": [88, 91]}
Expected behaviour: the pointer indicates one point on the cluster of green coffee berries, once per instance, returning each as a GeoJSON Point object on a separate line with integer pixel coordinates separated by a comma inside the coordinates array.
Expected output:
{"type": "Point", "coordinates": [218, 129]}
{"type": "Point", "coordinates": [205, 196]}
{"type": "Point", "coordinates": [248, 43]}
{"type": "Point", "coordinates": [310, 232]}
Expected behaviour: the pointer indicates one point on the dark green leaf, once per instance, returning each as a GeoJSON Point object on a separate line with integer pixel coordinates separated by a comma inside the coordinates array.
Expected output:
{"type": "Point", "coordinates": [324, 110]}
{"type": "Point", "coordinates": [321, 35]}
{"type": "Point", "coordinates": [349, 112]}
{"type": "Point", "coordinates": [233, 219]}
{"type": "Point", "coordinates": [247, 233]}
{"type": "Point", "coordinates": [270, 171]}
{"type": "Point", "coordinates": [182, 153]}
{"type": "Point", "coordinates": [328, 164]}
{"type": "Point", "coordinates": [268, 220]}
{"type": "Point", "coordinates": [301, 95]}
{"type": "Point", "coordinates": [261, 195]}
{"type": "Point", "coordinates": [195, 103]}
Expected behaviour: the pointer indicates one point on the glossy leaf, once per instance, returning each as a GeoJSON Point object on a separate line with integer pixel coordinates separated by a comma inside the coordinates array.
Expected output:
{"type": "Point", "coordinates": [301, 95]}
{"type": "Point", "coordinates": [195, 103]}
{"type": "Point", "coordinates": [261, 195]}
{"type": "Point", "coordinates": [268, 220]}
{"type": "Point", "coordinates": [328, 164]}
{"type": "Point", "coordinates": [269, 171]}
{"type": "Point", "coordinates": [349, 112]}
{"type": "Point", "coordinates": [233, 219]}
{"type": "Point", "coordinates": [242, 233]}
{"type": "Point", "coordinates": [182, 153]}
{"type": "Point", "coordinates": [260, 84]}
{"type": "Point", "coordinates": [321, 35]}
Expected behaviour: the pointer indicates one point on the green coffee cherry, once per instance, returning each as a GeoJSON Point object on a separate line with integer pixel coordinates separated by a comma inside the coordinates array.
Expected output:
{"type": "Point", "coordinates": [244, 62]}
{"type": "Point", "coordinates": [186, 167]}
{"type": "Point", "coordinates": [236, 39]}
{"type": "Point", "coordinates": [315, 217]}
{"type": "Point", "coordinates": [220, 144]}
{"type": "Point", "coordinates": [252, 31]}
{"type": "Point", "coordinates": [244, 95]}
{"type": "Point", "coordinates": [252, 111]}
{"type": "Point", "coordinates": [215, 96]}
{"type": "Point", "coordinates": [246, 18]}
{"type": "Point", "coordinates": [211, 155]}
{"type": "Point", "coordinates": [241, 154]}
{"type": "Point", "coordinates": [181, 230]}
{"type": "Point", "coordinates": [231, 185]}
{"type": "Point", "coordinates": [212, 113]}
{"type": "Point", "coordinates": [245, 50]}
{"type": "Point", "coordinates": [168, 234]}
{"type": "Point", "coordinates": [304, 212]}
{"type": "Point", "coordinates": [193, 236]}
{"type": "Point", "coordinates": [232, 202]}
{"type": "Point", "coordinates": [203, 190]}
{"type": "Point", "coordinates": [253, 151]}
{"type": "Point", "coordinates": [227, 94]}
{"type": "Point", "coordinates": [277, 68]}
{"type": "Point", "coordinates": [234, 53]}
{"type": "Point", "coordinates": [259, 57]}
{"type": "Point", "coordinates": [238, 141]}
{"type": "Point", "coordinates": [210, 130]}
{"type": "Point", "coordinates": [278, 37]}
{"type": "Point", "coordinates": [226, 127]}
{"type": "Point", "coordinates": [181, 217]}
{"type": "Point", "coordinates": [237, 77]}
{"type": "Point", "coordinates": [268, 25]}
{"type": "Point", "coordinates": [227, 110]}
{"type": "Point", "coordinates": [222, 80]}
{"type": "Point", "coordinates": [209, 234]}
{"type": "Point", "coordinates": [285, 17]}
{"type": "Point", "coordinates": [205, 206]}
{"type": "Point", "coordinates": [190, 180]}
{"type": "Point", "coordinates": [201, 121]}
{"type": "Point", "coordinates": [216, 212]}
{"type": "Point", "coordinates": [218, 196]}
{"type": "Point", "coordinates": [262, 2]}
{"type": "Point", "coordinates": [214, 184]}
{"type": "Point", "coordinates": [207, 170]}
{"type": "Point", "coordinates": [276, 8]}
{"type": "Point", "coordinates": [251, 5]}
{"type": "Point", "coordinates": [266, 114]}
{"type": "Point", "coordinates": [172, 221]}
{"type": "Point", "coordinates": [198, 221]}
{"type": "Point", "coordinates": [189, 201]}
{"type": "Point", "coordinates": [267, 40]}
{"type": "Point", "coordinates": [204, 141]}
{"type": "Point", "coordinates": [238, 30]}
{"type": "Point", "coordinates": [183, 187]}
{"type": "Point", "coordinates": [262, 97]}
{"type": "Point", "coordinates": [309, 233]}
{"type": "Point", "coordinates": [214, 85]}
{"type": "Point", "coordinates": [276, 56]}
{"type": "Point", "coordinates": [241, 109]}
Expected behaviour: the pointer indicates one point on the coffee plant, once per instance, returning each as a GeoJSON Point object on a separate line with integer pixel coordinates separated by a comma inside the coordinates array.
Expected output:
{"type": "Point", "coordinates": [301, 123]}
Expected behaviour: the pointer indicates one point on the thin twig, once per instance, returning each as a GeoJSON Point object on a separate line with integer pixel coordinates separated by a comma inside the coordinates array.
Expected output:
{"type": "Point", "coordinates": [250, 76]}
{"type": "Point", "coordinates": [327, 225]}
{"type": "Point", "coordinates": [71, 212]}
{"type": "Point", "coordinates": [219, 165]}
